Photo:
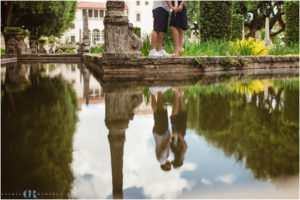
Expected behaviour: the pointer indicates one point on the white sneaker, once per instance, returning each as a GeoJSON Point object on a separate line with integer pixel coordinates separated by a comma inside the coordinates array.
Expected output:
{"type": "Point", "coordinates": [163, 53]}
{"type": "Point", "coordinates": [153, 52]}
{"type": "Point", "coordinates": [155, 90]}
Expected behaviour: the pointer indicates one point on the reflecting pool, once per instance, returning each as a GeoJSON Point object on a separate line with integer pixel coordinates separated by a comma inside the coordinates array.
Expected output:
{"type": "Point", "coordinates": [68, 134]}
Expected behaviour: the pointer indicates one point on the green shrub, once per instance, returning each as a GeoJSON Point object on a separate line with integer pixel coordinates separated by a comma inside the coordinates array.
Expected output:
{"type": "Point", "coordinates": [42, 41]}
{"type": "Point", "coordinates": [146, 45]}
{"type": "Point", "coordinates": [292, 22]}
{"type": "Point", "coordinates": [208, 47]}
{"type": "Point", "coordinates": [236, 26]}
{"type": "Point", "coordinates": [13, 29]}
{"type": "Point", "coordinates": [250, 47]}
{"type": "Point", "coordinates": [98, 49]}
{"type": "Point", "coordinates": [52, 40]}
{"type": "Point", "coordinates": [279, 50]}
{"type": "Point", "coordinates": [2, 51]}
{"type": "Point", "coordinates": [215, 19]}
{"type": "Point", "coordinates": [137, 31]}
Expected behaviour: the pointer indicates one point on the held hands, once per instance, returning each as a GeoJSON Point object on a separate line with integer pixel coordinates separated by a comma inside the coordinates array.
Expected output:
{"type": "Point", "coordinates": [177, 9]}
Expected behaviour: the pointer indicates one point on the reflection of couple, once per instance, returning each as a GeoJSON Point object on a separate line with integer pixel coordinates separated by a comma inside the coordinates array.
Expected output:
{"type": "Point", "coordinates": [161, 132]}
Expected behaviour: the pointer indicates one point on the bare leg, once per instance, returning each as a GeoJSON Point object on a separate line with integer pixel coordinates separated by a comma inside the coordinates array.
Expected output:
{"type": "Point", "coordinates": [160, 105]}
{"type": "Point", "coordinates": [181, 37]}
{"type": "Point", "coordinates": [153, 39]}
{"type": "Point", "coordinates": [153, 103]}
{"type": "Point", "coordinates": [160, 36]}
{"type": "Point", "coordinates": [175, 110]}
{"type": "Point", "coordinates": [176, 40]}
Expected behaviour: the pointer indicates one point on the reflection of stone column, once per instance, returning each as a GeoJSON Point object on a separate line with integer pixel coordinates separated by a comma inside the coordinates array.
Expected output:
{"type": "Point", "coordinates": [267, 33]}
{"type": "Point", "coordinates": [85, 45]}
{"type": "Point", "coordinates": [119, 109]}
{"type": "Point", "coordinates": [86, 81]}
{"type": "Point", "coordinates": [86, 85]}
{"type": "Point", "coordinates": [266, 92]}
{"type": "Point", "coordinates": [16, 73]}
{"type": "Point", "coordinates": [120, 40]}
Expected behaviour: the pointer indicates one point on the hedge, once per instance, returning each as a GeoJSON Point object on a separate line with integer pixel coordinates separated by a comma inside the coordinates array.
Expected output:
{"type": "Point", "coordinates": [215, 19]}
{"type": "Point", "coordinates": [292, 22]}
{"type": "Point", "coordinates": [236, 26]}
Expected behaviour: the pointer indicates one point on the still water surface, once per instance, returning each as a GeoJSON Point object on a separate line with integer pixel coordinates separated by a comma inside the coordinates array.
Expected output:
{"type": "Point", "coordinates": [65, 136]}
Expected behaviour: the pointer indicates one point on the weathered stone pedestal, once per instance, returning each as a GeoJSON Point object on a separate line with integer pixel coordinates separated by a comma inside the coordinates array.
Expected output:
{"type": "Point", "coordinates": [15, 43]}
{"type": "Point", "coordinates": [33, 46]}
{"type": "Point", "coordinates": [120, 40]}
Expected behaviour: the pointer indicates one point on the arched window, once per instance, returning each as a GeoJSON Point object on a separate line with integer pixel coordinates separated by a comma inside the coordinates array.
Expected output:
{"type": "Point", "coordinates": [96, 36]}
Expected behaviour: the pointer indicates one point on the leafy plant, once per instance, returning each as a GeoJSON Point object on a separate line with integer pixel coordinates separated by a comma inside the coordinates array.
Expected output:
{"type": "Point", "coordinates": [250, 47]}
{"type": "Point", "coordinates": [13, 29]}
{"type": "Point", "coordinates": [146, 45]}
{"type": "Point", "coordinates": [2, 51]}
{"type": "Point", "coordinates": [98, 49]}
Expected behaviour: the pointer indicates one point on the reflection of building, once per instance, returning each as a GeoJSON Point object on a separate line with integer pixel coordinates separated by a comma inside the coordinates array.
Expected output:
{"type": "Point", "coordinates": [139, 14]}
{"type": "Point", "coordinates": [87, 88]}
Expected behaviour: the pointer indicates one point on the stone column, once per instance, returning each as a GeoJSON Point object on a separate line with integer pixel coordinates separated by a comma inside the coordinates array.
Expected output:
{"type": "Point", "coordinates": [119, 110]}
{"type": "Point", "coordinates": [267, 33]}
{"type": "Point", "coordinates": [85, 45]}
{"type": "Point", "coordinates": [120, 41]}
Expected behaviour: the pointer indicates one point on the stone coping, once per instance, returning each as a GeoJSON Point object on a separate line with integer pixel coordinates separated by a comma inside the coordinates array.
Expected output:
{"type": "Point", "coordinates": [42, 58]}
{"type": "Point", "coordinates": [8, 59]}
{"type": "Point", "coordinates": [185, 60]}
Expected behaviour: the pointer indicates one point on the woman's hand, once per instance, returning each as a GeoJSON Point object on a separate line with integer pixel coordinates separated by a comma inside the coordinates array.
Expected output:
{"type": "Point", "coordinates": [179, 9]}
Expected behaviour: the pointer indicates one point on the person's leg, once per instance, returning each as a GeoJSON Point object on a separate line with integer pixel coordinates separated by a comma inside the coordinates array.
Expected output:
{"type": "Point", "coordinates": [175, 110]}
{"type": "Point", "coordinates": [160, 36]}
{"type": "Point", "coordinates": [153, 103]}
{"type": "Point", "coordinates": [176, 40]}
{"type": "Point", "coordinates": [160, 102]}
{"type": "Point", "coordinates": [153, 39]}
{"type": "Point", "coordinates": [181, 37]}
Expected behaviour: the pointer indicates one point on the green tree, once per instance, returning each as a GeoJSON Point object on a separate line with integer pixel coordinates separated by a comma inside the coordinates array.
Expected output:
{"type": "Point", "coordinates": [256, 12]}
{"type": "Point", "coordinates": [39, 17]}
{"type": "Point", "coordinates": [37, 127]}
{"type": "Point", "coordinates": [215, 19]}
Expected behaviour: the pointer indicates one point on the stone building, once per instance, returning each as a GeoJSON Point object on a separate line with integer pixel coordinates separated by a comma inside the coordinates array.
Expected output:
{"type": "Point", "coordinates": [139, 14]}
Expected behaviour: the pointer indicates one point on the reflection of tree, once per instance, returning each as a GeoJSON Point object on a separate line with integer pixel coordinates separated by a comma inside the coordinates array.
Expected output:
{"type": "Point", "coordinates": [37, 132]}
{"type": "Point", "coordinates": [262, 131]}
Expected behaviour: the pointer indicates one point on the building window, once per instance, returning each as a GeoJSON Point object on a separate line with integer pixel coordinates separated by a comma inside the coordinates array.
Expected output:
{"type": "Point", "coordinates": [89, 32]}
{"type": "Point", "coordinates": [102, 36]}
{"type": "Point", "coordinates": [137, 3]}
{"type": "Point", "coordinates": [72, 25]}
{"type": "Point", "coordinates": [146, 3]}
{"type": "Point", "coordinates": [101, 13]}
{"type": "Point", "coordinates": [90, 13]}
{"type": "Point", "coordinates": [73, 38]}
{"type": "Point", "coordinates": [96, 13]}
{"type": "Point", "coordinates": [96, 36]}
{"type": "Point", "coordinates": [138, 17]}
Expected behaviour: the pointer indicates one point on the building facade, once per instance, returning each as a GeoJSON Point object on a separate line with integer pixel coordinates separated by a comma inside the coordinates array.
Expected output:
{"type": "Point", "coordinates": [139, 14]}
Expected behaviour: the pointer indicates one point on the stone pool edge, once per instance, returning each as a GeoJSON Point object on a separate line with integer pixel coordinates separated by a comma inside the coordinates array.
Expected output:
{"type": "Point", "coordinates": [184, 65]}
